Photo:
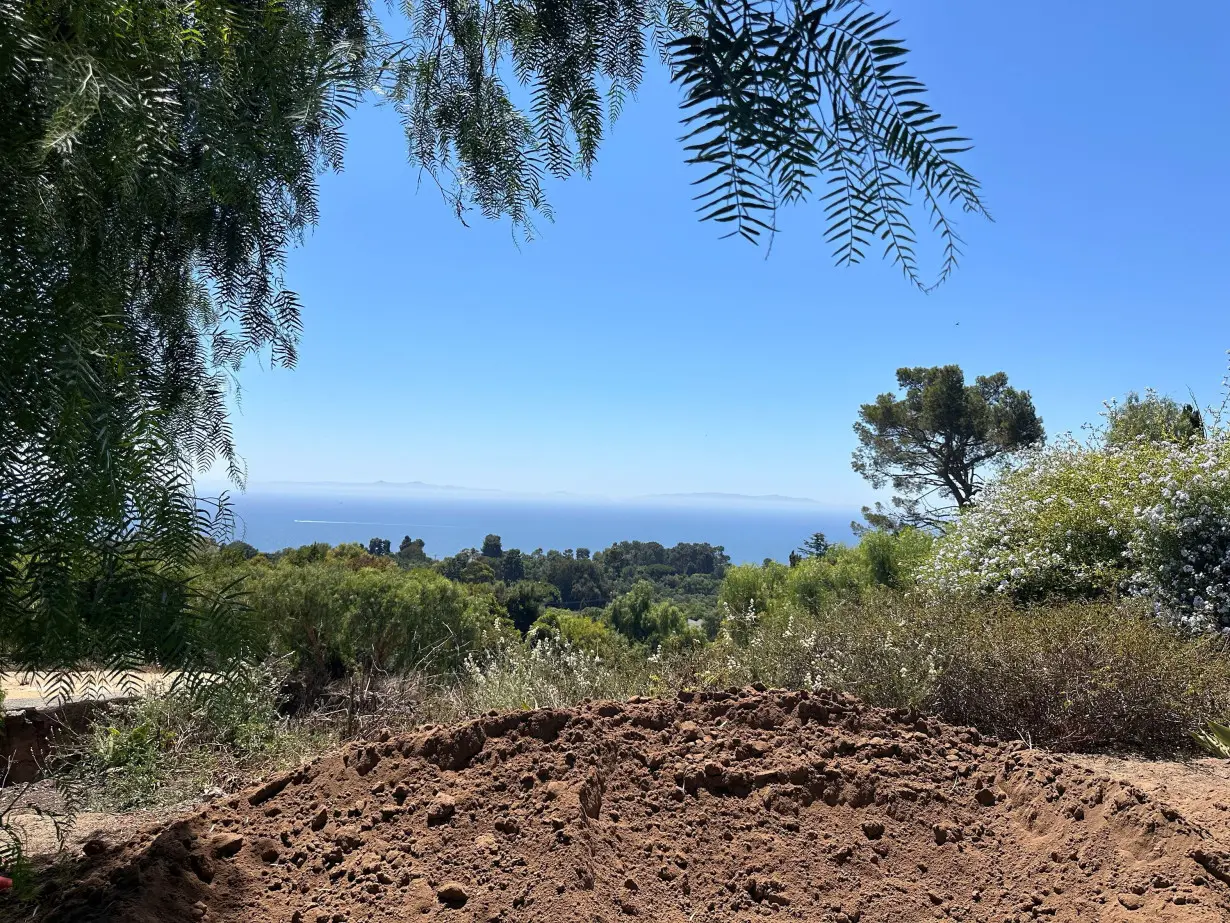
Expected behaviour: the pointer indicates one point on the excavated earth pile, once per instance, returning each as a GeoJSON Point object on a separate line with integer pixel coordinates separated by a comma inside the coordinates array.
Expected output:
{"type": "Point", "coordinates": [713, 807]}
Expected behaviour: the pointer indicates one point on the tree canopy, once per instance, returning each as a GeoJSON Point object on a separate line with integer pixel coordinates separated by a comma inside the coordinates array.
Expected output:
{"type": "Point", "coordinates": [933, 444]}
{"type": "Point", "coordinates": [1153, 418]}
{"type": "Point", "coordinates": [817, 546]}
{"type": "Point", "coordinates": [158, 158]}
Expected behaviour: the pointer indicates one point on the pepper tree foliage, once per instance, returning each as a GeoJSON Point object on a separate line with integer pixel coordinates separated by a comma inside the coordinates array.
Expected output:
{"type": "Point", "coordinates": [158, 158]}
{"type": "Point", "coordinates": [933, 444]}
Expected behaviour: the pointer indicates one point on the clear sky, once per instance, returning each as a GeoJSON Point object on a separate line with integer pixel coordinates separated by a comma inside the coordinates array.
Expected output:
{"type": "Point", "coordinates": [628, 350]}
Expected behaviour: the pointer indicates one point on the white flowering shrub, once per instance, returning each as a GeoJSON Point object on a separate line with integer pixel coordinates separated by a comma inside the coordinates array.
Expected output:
{"type": "Point", "coordinates": [1147, 519]}
{"type": "Point", "coordinates": [541, 673]}
{"type": "Point", "coordinates": [1181, 544]}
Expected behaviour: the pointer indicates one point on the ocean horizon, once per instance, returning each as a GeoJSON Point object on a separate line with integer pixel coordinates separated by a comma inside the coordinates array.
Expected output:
{"type": "Point", "coordinates": [750, 530]}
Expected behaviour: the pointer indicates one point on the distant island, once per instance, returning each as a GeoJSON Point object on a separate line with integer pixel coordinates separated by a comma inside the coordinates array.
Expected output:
{"type": "Point", "coordinates": [400, 485]}
{"type": "Point", "coordinates": [734, 498]}
{"type": "Point", "coordinates": [426, 487]}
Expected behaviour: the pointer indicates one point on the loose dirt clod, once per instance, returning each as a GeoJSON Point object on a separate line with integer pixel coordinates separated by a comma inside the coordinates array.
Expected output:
{"type": "Point", "coordinates": [716, 806]}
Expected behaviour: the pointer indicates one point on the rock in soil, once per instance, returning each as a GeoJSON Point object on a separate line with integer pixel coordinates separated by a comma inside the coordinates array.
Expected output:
{"type": "Point", "coordinates": [718, 807]}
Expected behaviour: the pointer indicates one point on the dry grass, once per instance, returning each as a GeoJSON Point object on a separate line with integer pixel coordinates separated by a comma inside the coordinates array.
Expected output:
{"type": "Point", "coordinates": [1080, 676]}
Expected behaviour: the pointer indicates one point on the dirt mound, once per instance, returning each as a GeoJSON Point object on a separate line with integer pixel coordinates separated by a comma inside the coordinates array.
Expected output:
{"type": "Point", "coordinates": [715, 806]}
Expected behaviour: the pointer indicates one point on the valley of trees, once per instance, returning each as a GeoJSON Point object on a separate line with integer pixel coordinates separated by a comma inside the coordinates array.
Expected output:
{"type": "Point", "coordinates": [351, 609]}
{"type": "Point", "coordinates": [687, 576]}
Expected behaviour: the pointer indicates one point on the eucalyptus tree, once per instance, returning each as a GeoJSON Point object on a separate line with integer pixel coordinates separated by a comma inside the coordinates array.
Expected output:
{"type": "Point", "coordinates": [159, 157]}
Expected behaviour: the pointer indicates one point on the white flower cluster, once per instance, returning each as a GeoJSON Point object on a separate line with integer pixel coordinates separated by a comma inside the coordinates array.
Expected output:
{"type": "Point", "coordinates": [1146, 519]}
{"type": "Point", "coordinates": [1181, 547]}
{"type": "Point", "coordinates": [544, 673]}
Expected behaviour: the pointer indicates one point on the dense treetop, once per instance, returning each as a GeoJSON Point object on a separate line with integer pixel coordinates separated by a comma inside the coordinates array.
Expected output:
{"type": "Point", "coordinates": [935, 443]}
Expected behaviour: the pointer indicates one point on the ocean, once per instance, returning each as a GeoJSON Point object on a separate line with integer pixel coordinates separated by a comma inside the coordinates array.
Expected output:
{"type": "Point", "coordinates": [750, 532]}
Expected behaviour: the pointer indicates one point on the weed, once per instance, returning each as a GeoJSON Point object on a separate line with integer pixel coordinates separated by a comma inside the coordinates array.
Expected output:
{"type": "Point", "coordinates": [172, 745]}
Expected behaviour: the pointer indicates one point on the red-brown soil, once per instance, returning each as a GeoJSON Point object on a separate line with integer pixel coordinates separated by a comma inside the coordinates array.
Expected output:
{"type": "Point", "coordinates": [713, 807]}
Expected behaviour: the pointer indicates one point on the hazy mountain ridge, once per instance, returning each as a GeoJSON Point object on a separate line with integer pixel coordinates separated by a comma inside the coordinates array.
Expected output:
{"type": "Point", "coordinates": [427, 487]}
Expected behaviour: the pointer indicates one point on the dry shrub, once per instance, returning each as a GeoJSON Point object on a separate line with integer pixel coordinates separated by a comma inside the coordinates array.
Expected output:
{"type": "Point", "coordinates": [539, 673]}
{"type": "Point", "coordinates": [1081, 676]}
{"type": "Point", "coordinates": [1091, 676]}
{"type": "Point", "coordinates": [880, 651]}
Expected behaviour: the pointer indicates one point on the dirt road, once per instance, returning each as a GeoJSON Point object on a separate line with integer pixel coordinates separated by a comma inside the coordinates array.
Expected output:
{"type": "Point", "coordinates": [22, 690]}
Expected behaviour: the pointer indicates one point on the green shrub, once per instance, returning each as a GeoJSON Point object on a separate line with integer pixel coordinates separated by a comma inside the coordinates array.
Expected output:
{"type": "Point", "coordinates": [397, 621]}
{"type": "Point", "coordinates": [638, 616]}
{"type": "Point", "coordinates": [753, 587]}
{"type": "Point", "coordinates": [880, 559]}
{"type": "Point", "coordinates": [892, 559]}
{"type": "Point", "coordinates": [582, 631]}
{"type": "Point", "coordinates": [334, 617]}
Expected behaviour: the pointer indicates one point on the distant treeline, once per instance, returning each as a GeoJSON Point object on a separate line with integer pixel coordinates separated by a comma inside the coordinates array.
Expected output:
{"type": "Point", "coordinates": [689, 574]}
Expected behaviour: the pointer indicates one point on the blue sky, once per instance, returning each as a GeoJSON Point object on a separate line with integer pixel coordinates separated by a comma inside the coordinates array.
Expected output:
{"type": "Point", "coordinates": [628, 350]}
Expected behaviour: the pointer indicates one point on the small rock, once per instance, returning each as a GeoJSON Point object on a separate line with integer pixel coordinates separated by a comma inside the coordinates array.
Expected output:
{"type": "Point", "coordinates": [441, 810]}
{"type": "Point", "coordinates": [985, 797]}
{"type": "Point", "coordinates": [94, 847]}
{"type": "Point", "coordinates": [270, 789]}
{"type": "Point", "coordinates": [873, 830]}
{"type": "Point", "coordinates": [319, 820]}
{"type": "Point", "coordinates": [1131, 901]}
{"type": "Point", "coordinates": [226, 845]}
{"type": "Point", "coordinates": [453, 893]}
